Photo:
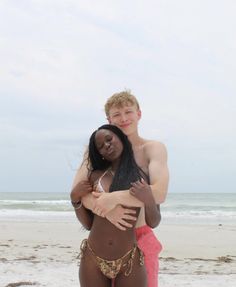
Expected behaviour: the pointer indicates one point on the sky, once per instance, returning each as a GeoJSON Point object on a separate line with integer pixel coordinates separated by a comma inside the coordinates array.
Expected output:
{"type": "Point", "coordinates": [61, 60]}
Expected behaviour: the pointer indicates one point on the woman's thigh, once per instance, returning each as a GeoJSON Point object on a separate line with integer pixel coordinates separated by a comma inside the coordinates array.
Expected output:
{"type": "Point", "coordinates": [89, 273]}
{"type": "Point", "coordinates": [137, 277]}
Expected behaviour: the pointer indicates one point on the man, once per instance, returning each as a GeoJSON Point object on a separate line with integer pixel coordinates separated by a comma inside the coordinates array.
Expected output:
{"type": "Point", "coordinates": [122, 109]}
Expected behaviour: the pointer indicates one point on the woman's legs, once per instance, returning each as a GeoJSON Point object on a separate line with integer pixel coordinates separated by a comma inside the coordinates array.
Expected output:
{"type": "Point", "coordinates": [137, 277]}
{"type": "Point", "coordinates": [89, 273]}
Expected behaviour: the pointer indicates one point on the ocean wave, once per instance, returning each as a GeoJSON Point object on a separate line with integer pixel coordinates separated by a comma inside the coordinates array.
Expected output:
{"type": "Point", "coordinates": [43, 205]}
{"type": "Point", "coordinates": [36, 216]}
{"type": "Point", "coordinates": [52, 202]}
{"type": "Point", "coordinates": [193, 217]}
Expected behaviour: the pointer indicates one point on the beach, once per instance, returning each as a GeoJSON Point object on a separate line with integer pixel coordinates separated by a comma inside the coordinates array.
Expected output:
{"type": "Point", "coordinates": [40, 240]}
{"type": "Point", "coordinates": [44, 253]}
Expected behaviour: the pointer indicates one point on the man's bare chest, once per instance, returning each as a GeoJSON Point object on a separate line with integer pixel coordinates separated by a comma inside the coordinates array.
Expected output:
{"type": "Point", "coordinates": [141, 159]}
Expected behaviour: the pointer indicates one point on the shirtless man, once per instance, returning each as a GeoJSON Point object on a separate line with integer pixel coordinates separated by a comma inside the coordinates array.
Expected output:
{"type": "Point", "coordinates": [122, 109]}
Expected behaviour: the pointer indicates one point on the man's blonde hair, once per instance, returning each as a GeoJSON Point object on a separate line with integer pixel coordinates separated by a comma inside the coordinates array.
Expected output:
{"type": "Point", "coordinates": [120, 100]}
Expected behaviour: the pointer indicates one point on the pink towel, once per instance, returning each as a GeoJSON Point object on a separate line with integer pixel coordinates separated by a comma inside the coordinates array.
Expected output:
{"type": "Point", "coordinates": [151, 248]}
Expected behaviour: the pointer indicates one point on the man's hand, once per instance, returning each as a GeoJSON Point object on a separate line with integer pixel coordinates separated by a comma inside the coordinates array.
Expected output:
{"type": "Point", "coordinates": [142, 191]}
{"type": "Point", "coordinates": [119, 216]}
{"type": "Point", "coordinates": [81, 189]}
{"type": "Point", "coordinates": [104, 203]}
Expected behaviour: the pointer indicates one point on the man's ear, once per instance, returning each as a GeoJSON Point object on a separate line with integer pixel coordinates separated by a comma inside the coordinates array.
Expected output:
{"type": "Point", "coordinates": [139, 114]}
{"type": "Point", "coordinates": [108, 119]}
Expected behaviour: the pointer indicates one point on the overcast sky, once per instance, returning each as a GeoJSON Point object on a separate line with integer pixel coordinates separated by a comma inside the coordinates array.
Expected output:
{"type": "Point", "coordinates": [61, 60]}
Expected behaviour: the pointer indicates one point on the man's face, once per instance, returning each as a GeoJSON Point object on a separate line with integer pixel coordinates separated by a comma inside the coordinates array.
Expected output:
{"type": "Point", "coordinates": [126, 118]}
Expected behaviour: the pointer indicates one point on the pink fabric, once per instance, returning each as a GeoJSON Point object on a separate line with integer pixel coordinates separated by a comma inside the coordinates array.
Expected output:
{"type": "Point", "coordinates": [151, 248]}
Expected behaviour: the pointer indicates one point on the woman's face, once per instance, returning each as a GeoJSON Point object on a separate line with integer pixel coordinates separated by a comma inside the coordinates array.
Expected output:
{"type": "Point", "coordinates": [108, 144]}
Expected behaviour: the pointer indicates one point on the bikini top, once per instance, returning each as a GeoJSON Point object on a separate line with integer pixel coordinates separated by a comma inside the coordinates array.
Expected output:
{"type": "Point", "coordinates": [99, 186]}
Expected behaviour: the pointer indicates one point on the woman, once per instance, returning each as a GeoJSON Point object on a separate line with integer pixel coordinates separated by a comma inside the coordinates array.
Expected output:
{"type": "Point", "coordinates": [110, 253]}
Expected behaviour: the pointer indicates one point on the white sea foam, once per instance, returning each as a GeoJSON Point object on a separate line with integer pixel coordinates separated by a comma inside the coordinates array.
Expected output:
{"type": "Point", "coordinates": [36, 216]}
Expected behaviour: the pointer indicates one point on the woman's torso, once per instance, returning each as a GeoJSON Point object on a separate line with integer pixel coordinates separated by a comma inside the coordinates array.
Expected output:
{"type": "Point", "coordinates": [105, 238]}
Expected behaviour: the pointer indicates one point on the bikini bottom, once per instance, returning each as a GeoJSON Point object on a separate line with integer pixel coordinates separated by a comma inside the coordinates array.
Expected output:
{"type": "Point", "coordinates": [111, 268]}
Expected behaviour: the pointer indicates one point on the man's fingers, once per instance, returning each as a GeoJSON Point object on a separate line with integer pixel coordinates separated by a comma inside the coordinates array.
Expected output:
{"type": "Point", "coordinates": [125, 223]}
{"type": "Point", "coordinates": [98, 212]}
{"type": "Point", "coordinates": [129, 217]}
{"type": "Point", "coordinates": [119, 226]}
{"type": "Point", "coordinates": [96, 194]}
{"type": "Point", "coordinates": [129, 211]}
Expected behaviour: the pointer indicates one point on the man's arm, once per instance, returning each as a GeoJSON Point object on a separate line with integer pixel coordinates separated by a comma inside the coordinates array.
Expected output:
{"type": "Point", "coordinates": [81, 191]}
{"type": "Point", "coordinates": [142, 191]}
{"type": "Point", "coordinates": [158, 170]}
{"type": "Point", "coordinates": [105, 201]}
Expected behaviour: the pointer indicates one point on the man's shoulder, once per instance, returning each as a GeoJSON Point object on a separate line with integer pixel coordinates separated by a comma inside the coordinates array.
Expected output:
{"type": "Point", "coordinates": [153, 147]}
{"type": "Point", "coordinates": [153, 144]}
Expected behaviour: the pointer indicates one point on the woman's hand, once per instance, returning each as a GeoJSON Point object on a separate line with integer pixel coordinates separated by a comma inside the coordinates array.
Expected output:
{"type": "Point", "coordinates": [82, 188]}
{"type": "Point", "coordinates": [142, 191]}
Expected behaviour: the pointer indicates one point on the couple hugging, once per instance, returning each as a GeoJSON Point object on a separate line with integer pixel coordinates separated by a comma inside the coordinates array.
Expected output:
{"type": "Point", "coordinates": [116, 195]}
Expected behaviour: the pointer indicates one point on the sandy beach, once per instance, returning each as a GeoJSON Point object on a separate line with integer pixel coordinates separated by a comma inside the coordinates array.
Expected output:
{"type": "Point", "coordinates": [44, 254]}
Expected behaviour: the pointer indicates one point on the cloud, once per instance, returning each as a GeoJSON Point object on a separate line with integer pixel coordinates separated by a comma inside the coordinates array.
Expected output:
{"type": "Point", "coordinates": [61, 60]}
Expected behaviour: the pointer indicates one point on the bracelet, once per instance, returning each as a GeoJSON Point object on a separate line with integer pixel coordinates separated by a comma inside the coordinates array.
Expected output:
{"type": "Point", "coordinates": [77, 205]}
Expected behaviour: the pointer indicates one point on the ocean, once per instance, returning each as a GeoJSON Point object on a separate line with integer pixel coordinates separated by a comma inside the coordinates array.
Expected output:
{"type": "Point", "coordinates": [179, 208]}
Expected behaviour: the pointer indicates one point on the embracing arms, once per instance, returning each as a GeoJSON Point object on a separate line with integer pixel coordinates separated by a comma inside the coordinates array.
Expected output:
{"type": "Point", "coordinates": [156, 155]}
{"type": "Point", "coordinates": [82, 194]}
{"type": "Point", "coordinates": [109, 204]}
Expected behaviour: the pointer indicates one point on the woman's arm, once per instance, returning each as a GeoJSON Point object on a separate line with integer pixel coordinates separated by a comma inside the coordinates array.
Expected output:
{"type": "Point", "coordinates": [142, 191]}
{"type": "Point", "coordinates": [84, 215]}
